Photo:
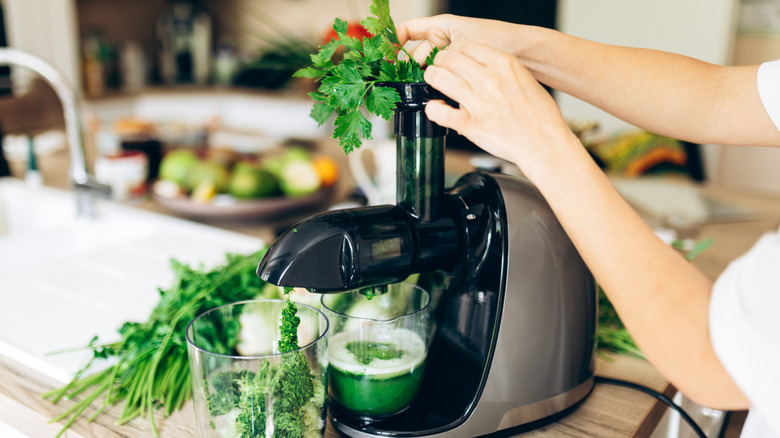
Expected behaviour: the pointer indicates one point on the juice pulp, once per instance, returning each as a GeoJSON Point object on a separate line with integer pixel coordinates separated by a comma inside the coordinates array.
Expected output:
{"type": "Point", "coordinates": [376, 384]}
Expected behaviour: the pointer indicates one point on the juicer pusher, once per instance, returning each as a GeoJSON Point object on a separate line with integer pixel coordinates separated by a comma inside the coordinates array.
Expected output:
{"type": "Point", "coordinates": [516, 312]}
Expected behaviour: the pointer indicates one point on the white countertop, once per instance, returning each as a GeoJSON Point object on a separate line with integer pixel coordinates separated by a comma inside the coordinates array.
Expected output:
{"type": "Point", "coordinates": [64, 279]}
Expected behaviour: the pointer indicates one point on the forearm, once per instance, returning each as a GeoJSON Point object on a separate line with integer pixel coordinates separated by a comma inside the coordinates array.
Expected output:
{"type": "Point", "coordinates": [662, 92]}
{"type": "Point", "coordinates": [668, 319]}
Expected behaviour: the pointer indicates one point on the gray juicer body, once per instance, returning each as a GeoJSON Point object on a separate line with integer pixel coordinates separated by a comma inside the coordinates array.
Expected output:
{"type": "Point", "coordinates": [543, 358]}
{"type": "Point", "coordinates": [515, 308]}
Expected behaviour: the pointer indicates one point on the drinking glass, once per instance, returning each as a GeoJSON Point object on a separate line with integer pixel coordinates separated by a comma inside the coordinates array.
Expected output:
{"type": "Point", "coordinates": [243, 385]}
{"type": "Point", "coordinates": [377, 348]}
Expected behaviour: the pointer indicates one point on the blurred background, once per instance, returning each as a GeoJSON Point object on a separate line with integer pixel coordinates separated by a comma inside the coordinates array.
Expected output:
{"type": "Point", "coordinates": [196, 70]}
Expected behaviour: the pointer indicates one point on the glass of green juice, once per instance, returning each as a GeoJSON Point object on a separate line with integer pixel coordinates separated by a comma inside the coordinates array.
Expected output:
{"type": "Point", "coordinates": [243, 386]}
{"type": "Point", "coordinates": [377, 347]}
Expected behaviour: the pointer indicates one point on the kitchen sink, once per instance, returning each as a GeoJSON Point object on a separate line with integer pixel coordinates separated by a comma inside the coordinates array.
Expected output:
{"type": "Point", "coordinates": [65, 279]}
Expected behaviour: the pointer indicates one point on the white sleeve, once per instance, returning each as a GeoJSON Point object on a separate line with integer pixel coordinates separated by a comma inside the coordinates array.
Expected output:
{"type": "Point", "coordinates": [768, 81]}
{"type": "Point", "coordinates": [745, 326]}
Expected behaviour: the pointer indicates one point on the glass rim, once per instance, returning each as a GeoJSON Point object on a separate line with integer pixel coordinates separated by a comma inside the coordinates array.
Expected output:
{"type": "Point", "coordinates": [262, 356]}
{"type": "Point", "coordinates": [427, 304]}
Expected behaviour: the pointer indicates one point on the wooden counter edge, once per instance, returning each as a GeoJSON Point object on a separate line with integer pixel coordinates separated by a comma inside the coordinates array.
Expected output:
{"type": "Point", "coordinates": [22, 407]}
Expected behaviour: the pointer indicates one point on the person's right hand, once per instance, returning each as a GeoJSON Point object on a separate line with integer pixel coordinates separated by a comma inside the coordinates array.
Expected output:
{"type": "Point", "coordinates": [502, 108]}
{"type": "Point", "coordinates": [443, 30]}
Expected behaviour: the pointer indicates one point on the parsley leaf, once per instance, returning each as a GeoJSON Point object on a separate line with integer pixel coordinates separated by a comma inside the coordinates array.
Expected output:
{"type": "Point", "coordinates": [349, 70]}
{"type": "Point", "coordinates": [381, 101]}
{"type": "Point", "coordinates": [429, 58]}
{"type": "Point", "coordinates": [351, 128]}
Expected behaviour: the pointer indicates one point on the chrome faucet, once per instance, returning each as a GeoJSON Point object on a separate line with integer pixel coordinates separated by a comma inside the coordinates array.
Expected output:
{"type": "Point", "coordinates": [84, 184]}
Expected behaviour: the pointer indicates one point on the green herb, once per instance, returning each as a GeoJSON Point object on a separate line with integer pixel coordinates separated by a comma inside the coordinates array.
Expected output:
{"type": "Point", "coordinates": [149, 366]}
{"type": "Point", "coordinates": [611, 334]}
{"type": "Point", "coordinates": [351, 83]}
{"type": "Point", "coordinates": [365, 352]}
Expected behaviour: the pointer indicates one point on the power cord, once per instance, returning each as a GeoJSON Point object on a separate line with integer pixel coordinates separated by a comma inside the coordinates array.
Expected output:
{"type": "Point", "coordinates": [666, 400]}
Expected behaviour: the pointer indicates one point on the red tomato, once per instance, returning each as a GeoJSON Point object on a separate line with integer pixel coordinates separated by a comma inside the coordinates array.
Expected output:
{"type": "Point", "coordinates": [354, 29]}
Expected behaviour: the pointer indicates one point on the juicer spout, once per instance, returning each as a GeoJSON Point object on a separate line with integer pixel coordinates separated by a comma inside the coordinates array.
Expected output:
{"type": "Point", "coordinates": [358, 248]}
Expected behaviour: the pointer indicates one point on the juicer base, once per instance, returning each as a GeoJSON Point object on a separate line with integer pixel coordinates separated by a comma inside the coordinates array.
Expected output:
{"type": "Point", "coordinates": [516, 421]}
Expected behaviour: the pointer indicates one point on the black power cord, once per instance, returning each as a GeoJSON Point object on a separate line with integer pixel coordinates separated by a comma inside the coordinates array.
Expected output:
{"type": "Point", "coordinates": [666, 400]}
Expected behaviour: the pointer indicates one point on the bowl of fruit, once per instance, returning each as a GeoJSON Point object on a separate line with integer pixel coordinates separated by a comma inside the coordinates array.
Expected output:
{"type": "Point", "coordinates": [221, 184]}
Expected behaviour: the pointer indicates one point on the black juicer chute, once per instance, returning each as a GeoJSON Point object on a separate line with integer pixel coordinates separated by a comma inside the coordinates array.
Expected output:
{"type": "Point", "coordinates": [515, 305]}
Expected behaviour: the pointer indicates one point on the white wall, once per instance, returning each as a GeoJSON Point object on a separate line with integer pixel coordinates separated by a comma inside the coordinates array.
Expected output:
{"type": "Point", "coordinates": [46, 28]}
{"type": "Point", "coordinates": [703, 29]}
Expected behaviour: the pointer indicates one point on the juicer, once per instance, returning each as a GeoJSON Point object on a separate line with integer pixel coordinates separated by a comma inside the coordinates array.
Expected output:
{"type": "Point", "coordinates": [514, 304]}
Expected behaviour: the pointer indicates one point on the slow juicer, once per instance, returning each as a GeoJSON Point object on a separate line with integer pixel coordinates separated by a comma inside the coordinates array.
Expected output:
{"type": "Point", "coordinates": [515, 305]}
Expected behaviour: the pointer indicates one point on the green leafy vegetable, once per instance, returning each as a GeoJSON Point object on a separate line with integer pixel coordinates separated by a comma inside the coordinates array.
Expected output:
{"type": "Point", "coordinates": [611, 334]}
{"type": "Point", "coordinates": [149, 366]}
{"type": "Point", "coordinates": [353, 82]}
{"type": "Point", "coordinates": [365, 352]}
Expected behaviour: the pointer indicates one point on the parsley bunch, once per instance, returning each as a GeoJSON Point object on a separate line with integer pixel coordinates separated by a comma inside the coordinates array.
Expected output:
{"type": "Point", "coordinates": [148, 364]}
{"type": "Point", "coordinates": [354, 81]}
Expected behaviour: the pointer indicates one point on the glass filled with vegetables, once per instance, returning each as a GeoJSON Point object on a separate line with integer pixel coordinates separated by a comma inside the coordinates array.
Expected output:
{"type": "Point", "coordinates": [259, 370]}
{"type": "Point", "coordinates": [377, 348]}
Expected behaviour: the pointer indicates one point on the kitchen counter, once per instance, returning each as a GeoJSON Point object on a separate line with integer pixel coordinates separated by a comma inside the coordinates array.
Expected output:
{"type": "Point", "coordinates": [609, 411]}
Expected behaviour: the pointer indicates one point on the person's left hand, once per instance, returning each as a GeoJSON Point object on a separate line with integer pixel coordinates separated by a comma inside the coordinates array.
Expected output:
{"type": "Point", "coordinates": [503, 109]}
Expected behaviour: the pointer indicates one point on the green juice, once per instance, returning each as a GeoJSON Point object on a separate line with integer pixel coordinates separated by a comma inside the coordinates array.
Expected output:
{"type": "Point", "coordinates": [378, 374]}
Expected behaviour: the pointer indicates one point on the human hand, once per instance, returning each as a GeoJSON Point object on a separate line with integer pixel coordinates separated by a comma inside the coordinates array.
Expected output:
{"type": "Point", "coordinates": [443, 30]}
{"type": "Point", "coordinates": [503, 109]}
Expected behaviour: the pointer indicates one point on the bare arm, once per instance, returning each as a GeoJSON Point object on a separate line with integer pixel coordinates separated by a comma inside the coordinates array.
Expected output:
{"type": "Point", "coordinates": [661, 92]}
{"type": "Point", "coordinates": [662, 299]}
